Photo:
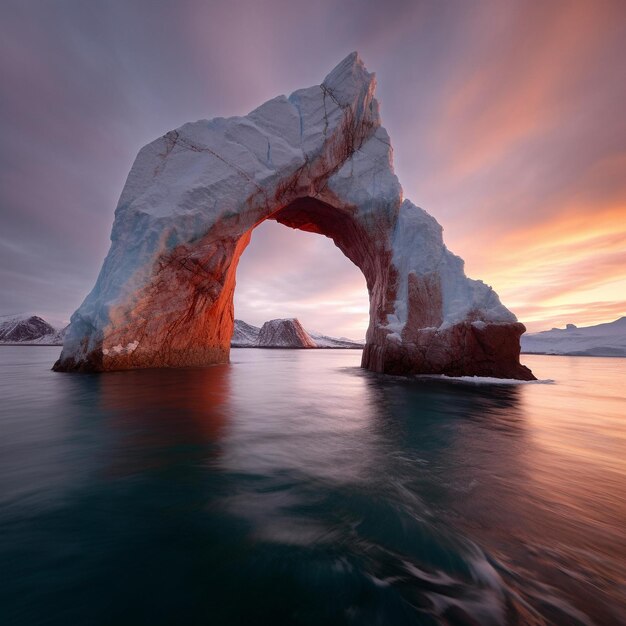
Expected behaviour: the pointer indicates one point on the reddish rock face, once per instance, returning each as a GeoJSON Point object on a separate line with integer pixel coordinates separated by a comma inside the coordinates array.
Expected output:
{"type": "Point", "coordinates": [461, 350]}
{"type": "Point", "coordinates": [284, 333]}
{"type": "Point", "coordinates": [318, 161]}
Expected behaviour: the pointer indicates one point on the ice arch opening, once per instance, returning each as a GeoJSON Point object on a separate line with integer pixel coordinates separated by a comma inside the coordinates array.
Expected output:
{"type": "Point", "coordinates": [318, 160]}
{"type": "Point", "coordinates": [287, 273]}
{"type": "Point", "coordinates": [314, 216]}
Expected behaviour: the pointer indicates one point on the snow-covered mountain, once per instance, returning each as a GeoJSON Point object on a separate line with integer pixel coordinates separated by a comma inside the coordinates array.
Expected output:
{"type": "Point", "coordinates": [28, 329]}
{"type": "Point", "coordinates": [324, 341]}
{"type": "Point", "coordinates": [279, 333]}
{"type": "Point", "coordinates": [285, 333]}
{"type": "Point", "coordinates": [244, 335]}
{"type": "Point", "coordinates": [600, 340]}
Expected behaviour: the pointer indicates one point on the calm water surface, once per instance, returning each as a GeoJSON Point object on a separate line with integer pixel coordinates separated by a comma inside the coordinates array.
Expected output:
{"type": "Point", "coordinates": [291, 487]}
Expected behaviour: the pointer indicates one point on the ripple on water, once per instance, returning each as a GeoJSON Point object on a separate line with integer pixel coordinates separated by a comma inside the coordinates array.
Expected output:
{"type": "Point", "coordinates": [292, 487]}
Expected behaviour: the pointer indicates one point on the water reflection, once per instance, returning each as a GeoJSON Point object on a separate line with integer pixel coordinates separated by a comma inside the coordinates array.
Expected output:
{"type": "Point", "coordinates": [455, 439]}
{"type": "Point", "coordinates": [317, 423]}
{"type": "Point", "coordinates": [293, 487]}
{"type": "Point", "coordinates": [389, 458]}
{"type": "Point", "coordinates": [160, 417]}
{"type": "Point", "coordinates": [577, 474]}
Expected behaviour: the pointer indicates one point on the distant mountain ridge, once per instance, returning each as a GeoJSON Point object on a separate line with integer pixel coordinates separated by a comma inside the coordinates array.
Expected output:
{"type": "Point", "coordinates": [284, 333]}
{"type": "Point", "coordinates": [244, 335]}
{"type": "Point", "coordinates": [277, 333]}
{"type": "Point", "coordinates": [325, 341]}
{"type": "Point", "coordinates": [600, 340]}
{"type": "Point", "coordinates": [607, 339]}
{"type": "Point", "coordinates": [29, 329]}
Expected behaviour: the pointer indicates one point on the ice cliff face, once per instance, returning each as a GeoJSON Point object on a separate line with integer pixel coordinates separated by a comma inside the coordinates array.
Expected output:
{"type": "Point", "coordinates": [318, 160]}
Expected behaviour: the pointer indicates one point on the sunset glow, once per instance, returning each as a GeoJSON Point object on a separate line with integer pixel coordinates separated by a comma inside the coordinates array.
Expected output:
{"type": "Point", "coordinates": [347, 287]}
{"type": "Point", "coordinates": [506, 119]}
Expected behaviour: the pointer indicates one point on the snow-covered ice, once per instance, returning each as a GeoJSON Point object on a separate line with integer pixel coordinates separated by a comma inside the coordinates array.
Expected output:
{"type": "Point", "coordinates": [600, 340]}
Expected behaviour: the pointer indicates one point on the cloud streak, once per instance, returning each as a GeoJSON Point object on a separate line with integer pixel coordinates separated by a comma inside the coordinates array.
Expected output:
{"type": "Point", "coordinates": [506, 119]}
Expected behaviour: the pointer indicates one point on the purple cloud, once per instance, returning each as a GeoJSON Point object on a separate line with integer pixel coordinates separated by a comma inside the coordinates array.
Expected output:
{"type": "Point", "coordinates": [503, 117]}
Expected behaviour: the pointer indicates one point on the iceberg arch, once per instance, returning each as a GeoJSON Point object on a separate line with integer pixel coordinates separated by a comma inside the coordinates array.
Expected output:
{"type": "Point", "coordinates": [318, 160]}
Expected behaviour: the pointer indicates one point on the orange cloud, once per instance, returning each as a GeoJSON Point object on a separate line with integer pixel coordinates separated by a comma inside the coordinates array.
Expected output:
{"type": "Point", "coordinates": [548, 271]}
{"type": "Point", "coordinates": [524, 89]}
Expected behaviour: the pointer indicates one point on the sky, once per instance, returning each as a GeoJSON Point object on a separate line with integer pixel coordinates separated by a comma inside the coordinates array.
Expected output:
{"type": "Point", "coordinates": [507, 121]}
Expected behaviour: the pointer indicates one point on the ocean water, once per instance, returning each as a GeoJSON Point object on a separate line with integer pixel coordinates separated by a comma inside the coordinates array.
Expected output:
{"type": "Point", "coordinates": [292, 487]}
